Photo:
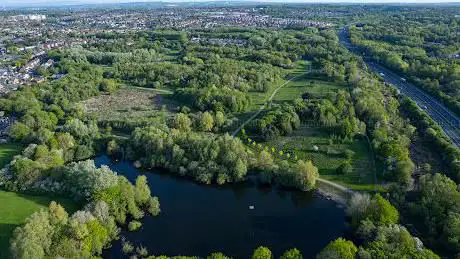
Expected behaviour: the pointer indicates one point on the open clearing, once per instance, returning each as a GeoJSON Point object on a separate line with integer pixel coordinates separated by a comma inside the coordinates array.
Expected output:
{"type": "Point", "coordinates": [15, 208]}
{"type": "Point", "coordinates": [330, 156]}
{"type": "Point", "coordinates": [129, 102]}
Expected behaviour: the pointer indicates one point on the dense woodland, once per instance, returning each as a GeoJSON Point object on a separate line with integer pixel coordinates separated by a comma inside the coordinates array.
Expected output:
{"type": "Point", "coordinates": [211, 87]}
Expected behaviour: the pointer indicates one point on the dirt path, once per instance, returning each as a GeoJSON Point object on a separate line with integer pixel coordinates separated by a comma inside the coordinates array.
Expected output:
{"type": "Point", "coordinates": [335, 185]}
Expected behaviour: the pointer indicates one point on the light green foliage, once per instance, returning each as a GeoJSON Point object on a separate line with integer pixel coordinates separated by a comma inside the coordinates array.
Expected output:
{"type": "Point", "coordinates": [378, 210]}
{"type": "Point", "coordinates": [339, 248]}
{"type": "Point", "coordinates": [217, 255]}
{"type": "Point", "coordinates": [16, 208]}
{"type": "Point", "coordinates": [381, 211]}
{"type": "Point", "coordinates": [293, 253]}
{"type": "Point", "coordinates": [262, 253]}
{"type": "Point", "coordinates": [199, 155]}
{"type": "Point", "coordinates": [142, 191]}
{"type": "Point", "coordinates": [206, 122]}
{"type": "Point", "coordinates": [153, 206]}
{"type": "Point", "coordinates": [108, 85]}
{"type": "Point", "coordinates": [34, 239]}
{"type": "Point", "coordinates": [219, 118]}
{"type": "Point", "coordinates": [134, 225]}
{"type": "Point", "coordinates": [127, 247]}
{"type": "Point", "coordinates": [182, 122]}
{"type": "Point", "coordinates": [395, 241]}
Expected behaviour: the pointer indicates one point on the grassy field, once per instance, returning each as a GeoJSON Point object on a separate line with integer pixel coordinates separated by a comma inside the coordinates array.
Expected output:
{"type": "Point", "coordinates": [330, 156]}
{"type": "Point", "coordinates": [15, 208]}
{"type": "Point", "coordinates": [304, 84]}
{"type": "Point", "coordinates": [7, 152]}
{"type": "Point", "coordinates": [259, 98]}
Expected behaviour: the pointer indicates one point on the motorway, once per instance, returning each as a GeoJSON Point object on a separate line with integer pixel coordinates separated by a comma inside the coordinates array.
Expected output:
{"type": "Point", "coordinates": [447, 119]}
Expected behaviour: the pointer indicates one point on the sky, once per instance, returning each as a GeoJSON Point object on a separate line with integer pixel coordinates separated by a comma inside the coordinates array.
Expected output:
{"type": "Point", "coordinates": [63, 2]}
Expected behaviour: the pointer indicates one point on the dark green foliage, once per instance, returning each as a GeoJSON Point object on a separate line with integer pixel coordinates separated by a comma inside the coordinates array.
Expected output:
{"type": "Point", "coordinates": [438, 207]}
{"type": "Point", "coordinates": [345, 168]}
{"type": "Point", "coordinates": [279, 121]}
{"type": "Point", "coordinates": [213, 98]}
{"type": "Point", "coordinates": [434, 135]}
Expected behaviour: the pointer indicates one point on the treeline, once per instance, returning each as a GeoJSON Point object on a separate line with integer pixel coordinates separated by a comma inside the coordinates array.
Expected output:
{"type": "Point", "coordinates": [213, 98]}
{"type": "Point", "coordinates": [423, 49]}
{"type": "Point", "coordinates": [375, 222]}
{"type": "Point", "coordinates": [389, 132]}
{"type": "Point", "coordinates": [434, 134]}
{"type": "Point", "coordinates": [210, 158]}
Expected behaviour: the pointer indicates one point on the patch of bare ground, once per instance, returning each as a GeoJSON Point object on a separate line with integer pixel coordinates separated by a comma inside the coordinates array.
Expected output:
{"type": "Point", "coordinates": [421, 153]}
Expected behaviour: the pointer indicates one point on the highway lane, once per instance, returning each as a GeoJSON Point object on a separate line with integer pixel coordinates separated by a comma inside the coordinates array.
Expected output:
{"type": "Point", "coordinates": [448, 121]}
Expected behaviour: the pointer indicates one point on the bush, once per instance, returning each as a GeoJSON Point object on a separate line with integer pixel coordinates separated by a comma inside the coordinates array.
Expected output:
{"type": "Point", "coordinates": [348, 154]}
{"type": "Point", "coordinates": [134, 225]}
{"type": "Point", "coordinates": [127, 247]}
{"type": "Point", "coordinates": [345, 168]}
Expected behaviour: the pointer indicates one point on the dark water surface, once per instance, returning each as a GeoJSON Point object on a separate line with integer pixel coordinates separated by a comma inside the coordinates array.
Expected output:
{"type": "Point", "coordinates": [200, 219]}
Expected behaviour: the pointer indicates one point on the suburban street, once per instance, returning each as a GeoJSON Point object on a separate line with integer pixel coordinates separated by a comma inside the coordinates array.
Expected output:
{"type": "Point", "coordinates": [448, 121]}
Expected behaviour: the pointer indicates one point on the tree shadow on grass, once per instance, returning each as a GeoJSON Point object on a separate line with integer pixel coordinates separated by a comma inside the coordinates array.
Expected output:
{"type": "Point", "coordinates": [6, 231]}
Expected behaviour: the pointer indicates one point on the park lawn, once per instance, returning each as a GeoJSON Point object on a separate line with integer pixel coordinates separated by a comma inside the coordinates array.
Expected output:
{"type": "Point", "coordinates": [303, 84]}
{"type": "Point", "coordinates": [7, 152]}
{"type": "Point", "coordinates": [260, 98]}
{"type": "Point", "coordinates": [15, 208]}
{"type": "Point", "coordinates": [330, 156]}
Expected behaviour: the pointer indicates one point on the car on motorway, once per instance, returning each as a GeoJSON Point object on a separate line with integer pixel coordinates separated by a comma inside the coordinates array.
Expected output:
{"type": "Point", "coordinates": [402, 78]}
{"type": "Point", "coordinates": [424, 107]}
{"type": "Point", "coordinates": [382, 74]}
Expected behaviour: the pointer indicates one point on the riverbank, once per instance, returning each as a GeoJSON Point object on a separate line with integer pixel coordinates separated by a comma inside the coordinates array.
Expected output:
{"type": "Point", "coordinates": [334, 191]}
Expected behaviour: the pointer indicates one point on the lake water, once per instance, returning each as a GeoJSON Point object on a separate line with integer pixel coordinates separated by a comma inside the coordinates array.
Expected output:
{"type": "Point", "coordinates": [200, 219]}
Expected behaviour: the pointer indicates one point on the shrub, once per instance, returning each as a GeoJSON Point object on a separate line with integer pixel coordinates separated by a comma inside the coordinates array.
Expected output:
{"type": "Point", "coordinates": [134, 225]}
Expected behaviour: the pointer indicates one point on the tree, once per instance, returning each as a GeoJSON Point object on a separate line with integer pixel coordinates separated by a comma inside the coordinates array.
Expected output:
{"type": "Point", "coordinates": [452, 230]}
{"type": "Point", "coordinates": [219, 118]}
{"type": "Point", "coordinates": [381, 211]}
{"type": "Point", "coordinates": [182, 122]}
{"type": "Point", "coordinates": [262, 253]}
{"type": "Point", "coordinates": [358, 207]}
{"type": "Point", "coordinates": [293, 253]}
{"type": "Point", "coordinates": [339, 248]}
{"type": "Point", "coordinates": [108, 85]}
{"type": "Point", "coordinates": [307, 174]}
{"type": "Point", "coordinates": [206, 122]}
{"type": "Point", "coordinates": [142, 190]}
{"type": "Point", "coordinates": [394, 241]}
{"type": "Point", "coordinates": [34, 239]}
{"type": "Point", "coordinates": [19, 131]}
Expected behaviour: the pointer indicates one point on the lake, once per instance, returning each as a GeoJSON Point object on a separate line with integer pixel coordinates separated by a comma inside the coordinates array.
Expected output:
{"type": "Point", "coordinates": [200, 219]}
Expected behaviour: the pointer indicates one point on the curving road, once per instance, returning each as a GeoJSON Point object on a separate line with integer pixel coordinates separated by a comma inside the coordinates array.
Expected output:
{"type": "Point", "coordinates": [448, 121]}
